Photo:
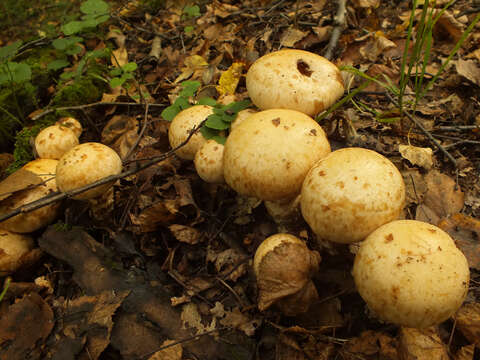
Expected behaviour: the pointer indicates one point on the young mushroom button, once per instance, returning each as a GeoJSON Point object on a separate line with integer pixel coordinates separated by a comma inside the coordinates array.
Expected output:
{"type": "Point", "coordinates": [294, 79]}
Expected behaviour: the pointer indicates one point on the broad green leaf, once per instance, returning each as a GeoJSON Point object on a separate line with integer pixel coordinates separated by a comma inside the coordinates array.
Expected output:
{"type": "Point", "coordinates": [67, 75]}
{"type": "Point", "coordinates": [219, 139]}
{"type": "Point", "coordinates": [208, 133]}
{"type": "Point", "coordinates": [237, 106]}
{"type": "Point", "coordinates": [116, 72]}
{"type": "Point", "coordinates": [188, 29]}
{"type": "Point", "coordinates": [189, 88]}
{"type": "Point", "coordinates": [229, 118]}
{"type": "Point", "coordinates": [73, 27]}
{"type": "Point", "coordinates": [215, 122]}
{"type": "Point", "coordinates": [94, 7]}
{"type": "Point", "coordinates": [218, 111]}
{"type": "Point", "coordinates": [16, 72]}
{"type": "Point", "coordinates": [116, 82]}
{"type": "Point", "coordinates": [182, 103]}
{"type": "Point", "coordinates": [207, 101]}
{"type": "Point", "coordinates": [131, 66]}
{"type": "Point", "coordinates": [191, 11]}
{"type": "Point", "coordinates": [9, 51]}
{"type": "Point", "coordinates": [170, 112]}
{"type": "Point", "coordinates": [74, 50]}
{"type": "Point", "coordinates": [58, 64]}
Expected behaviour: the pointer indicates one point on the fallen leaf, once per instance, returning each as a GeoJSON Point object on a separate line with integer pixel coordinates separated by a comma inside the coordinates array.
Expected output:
{"type": "Point", "coordinates": [367, 3]}
{"type": "Point", "coordinates": [227, 84]}
{"type": "Point", "coordinates": [468, 322]}
{"type": "Point", "coordinates": [371, 343]}
{"type": "Point", "coordinates": [465, 353]}
{"type": "Point", "coordinates": [186, 234]}
{"type": "Point", "coordinates": [117, 35]}
{"type": "Point", "coordinates": [174, 352]}
{"type": "Point", "coordinates": [291, 36]}
{"type": "Point", "coordinates": [191, 64]}
{"type": "Point", "coordinates": [469, 70]}
{"type": "Point", "coordinates": [119, 57]}
{"type": "Point", "coordinates": [417, 155]}
{"type": "Point", "coordinates": [120, 133]}
{"type": "Point", "coordinates": [19, 180]}
{"type": "Point", "coordinates": [442, 196]}
{"type": "Point", "coordinates": [421, 344]}
{"type": "Point", "coordinates": [237, 320]}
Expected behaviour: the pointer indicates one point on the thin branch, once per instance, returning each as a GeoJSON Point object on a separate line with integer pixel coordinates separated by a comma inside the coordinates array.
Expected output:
{"type": "Point", "coordinates": [57, 196]}
{"type": "Point", "coordinates": [340, 20]}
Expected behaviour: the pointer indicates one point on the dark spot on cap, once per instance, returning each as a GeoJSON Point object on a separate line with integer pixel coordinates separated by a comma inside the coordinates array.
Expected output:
{"type": "Point", "coordinates": [433, 231]}
{"type": "Point", "coordinates": [389, 238]}
{"type": "Point", "coordinates": [313, 132]}
{"type": "Point", "coordinates": [276, 121]}
{"type": "Point", "coordinates": [321, 173]}
{"type": "Point", "coordinates": [304, 68]}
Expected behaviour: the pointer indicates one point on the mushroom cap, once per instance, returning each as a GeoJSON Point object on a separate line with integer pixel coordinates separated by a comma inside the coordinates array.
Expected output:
{"type": "Point", "coordinates": [13, 247]}
{"type": "Point", "coordinates": [294, 79]}
{"type": "Point", "coordinates": [53, 141]}
{"type": "Point", "coordinates": [350, 193]}
{"type": "Point", "coordinates": [72, 123]}
{"type": "Point", "coordinates": [242, 115]}
{"type": "Point", "coordinates": [411, 273]}
{"type": "Point", "coordinates": [34, 220]}
{"type": "Point", "coordinates": [181, 126]}
{"type": "Point", "coordinates": [209, 162]}
{"type": "Point", "coordinates": [85, 164]}
{"type": "Point", "coordinates": [268, 155]}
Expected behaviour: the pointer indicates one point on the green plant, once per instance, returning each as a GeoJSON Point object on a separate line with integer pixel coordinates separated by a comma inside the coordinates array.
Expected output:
{"type": "Point", "coordinates": [217, 123]}
{"type": "Point", "coordinates": [190, 12]}
{"type": "Point", "coordinates": [122, 74]}
{"type": "Point", "coordinates": [95, 13]}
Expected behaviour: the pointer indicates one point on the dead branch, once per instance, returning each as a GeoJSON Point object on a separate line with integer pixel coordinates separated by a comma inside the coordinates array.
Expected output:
{"type": "Point", "coordinates": [58, 196]}
{"type": "Point", "coordinates": [340, 20]}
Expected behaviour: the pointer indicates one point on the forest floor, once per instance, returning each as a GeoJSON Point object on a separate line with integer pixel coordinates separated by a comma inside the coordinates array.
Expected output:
{"type": "Point", "coordinates": [161, 266]}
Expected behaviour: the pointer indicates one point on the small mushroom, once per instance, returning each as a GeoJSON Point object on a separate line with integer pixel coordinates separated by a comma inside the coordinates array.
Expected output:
{"type": "Point", "coordinates": [13, 251]}
{"type": "Point", "coordinates": [53, 141]}
{"type": "Point", "coordinates": [294, 79]}
{"type": "Point", "coordinates": [350, 193]}
{"type": "Point", "coordinates": [411, 273]}
{"type": "Point", "coordinates": [268, 155]}
{"type": "Point", "coordinates": [181, 127]}
{"type": "Point", "coordinates": [72, 123]}
{"type": "Point", "coordinates": [85, 164]}
{"type": "Point", "coordinates": [34, 220]}
{"type": "Point", "coordinates": [209, 162]}
{"type": "Point", "coordinates": [241, 115]}
{"type": "Point", "coordinates": [284, 266]}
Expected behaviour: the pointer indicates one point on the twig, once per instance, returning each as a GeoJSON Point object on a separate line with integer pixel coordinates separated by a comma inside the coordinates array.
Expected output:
{"type": "Point", "coordinates": [337, 30]}
{"type": "Point", "coordinates": [85, 106]}
{"type": "Point", "coordinates": [426, 132]}
{"type": "Point", "coordinates": [459, 127]}
{"type": "Point", "coordinates": [57, 196]}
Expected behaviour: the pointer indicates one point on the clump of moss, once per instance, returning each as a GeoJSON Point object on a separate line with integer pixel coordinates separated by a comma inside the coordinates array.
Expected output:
{"type": "Point", "coordinates": [84, 90]}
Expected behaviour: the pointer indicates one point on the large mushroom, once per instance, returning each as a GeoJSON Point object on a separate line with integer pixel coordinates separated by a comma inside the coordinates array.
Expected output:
{"type": "Point", "coordinates": [14, 250]}
{"type": "Point", "coordinates": [53, 141]}
{"type": "Point", "coordinates": [85, 164]}
{"type": "Point", "coordinates": [34, 220]}
{"type": "Point", "coordinates": [350, 193]}
{"type": "Point", "coordinates": [268, 155]}
{"type": "Point", "coordinates": [411, 273]}
{"type": "Point", "coordinates": [294, 79]}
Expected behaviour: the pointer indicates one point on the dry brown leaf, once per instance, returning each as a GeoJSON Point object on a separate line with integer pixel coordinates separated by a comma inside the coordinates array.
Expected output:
{"type": "Point", "coordinates": [375, 47]}
{"type": "Point", "coordinates": [227, 260]}
{"type": "Point", "coordinates": [237, 320]}
{"type": "Point", "coordinates": [415, 186]}
{"type": "Point", "coordinates": [417, 155]}
{"type": "Point", "coordinates": [116, 34]}
{"type": "Point", "coordinates": [448, 24]}
{"type": "Point", "coordinates": [469, 69]}
{"type": "Point", "coordinates": [442, 195]}
{"type": "Point", "coordinates": [372, 343]}
{"type": "Point", "coordinates": [186, 234]}
{"type": "Point", "coordinates": [367, 3]}
{"type": "Point", "coordinates": [421, 344]}
{"type": "Point", "coordinates": [291, 36]}
{"type": "Point", "coordinates": [465, 353]}
{"type": "Point", "coordinates": [468, 322]}
{"type": "Point", "coordinates": [192, 64]}
{"type": "Point", "coordinates": [152, 217]}
{"type": "Point", "coordinates": [173, 352]}
{"type": "Point", "coordinates": [465, 230]}
{"type": "Point", "coordinates": [120, 133]}
{"type": "Point", "coordinates": [19, 180]}
{"type": "Point", "coordinates": [119, 57]}
{"type": "Point", "coordinates": [425, 214]}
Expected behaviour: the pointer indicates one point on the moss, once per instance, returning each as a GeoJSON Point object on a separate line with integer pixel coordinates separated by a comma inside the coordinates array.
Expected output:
{"type": "Point", "coordinates": [85, 90]}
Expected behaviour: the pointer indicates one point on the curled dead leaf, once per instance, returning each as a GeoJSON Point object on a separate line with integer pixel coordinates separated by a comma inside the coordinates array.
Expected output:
{"type": "Point", "coordinates": [422, 157]}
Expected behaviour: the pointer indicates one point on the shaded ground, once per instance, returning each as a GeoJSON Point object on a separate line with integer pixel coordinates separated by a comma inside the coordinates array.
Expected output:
{"type": "Point", "coordinates": [165, 256]}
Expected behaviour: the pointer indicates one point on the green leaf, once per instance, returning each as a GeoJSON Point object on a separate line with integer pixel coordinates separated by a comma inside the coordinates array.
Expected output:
{"type": "Point", "coordinates": [208, 133]}
{"type": "Point", "coordinates": [219, 139]}
{"type": "Point", "coordinates": [116, 82]}
{"type": "Point", "coordinates": [215, 122]}
{"type": "Point", "coordinates": [207, 101]}
{"type": "Point", "coordinates": [94, 7]}
{"type": "Point", "coordinates": [8, 51]}
{"type": "Point", "coordinates": [74, 50]}
{"type": "Point", "coordinates": [129, 67]}
{"type": "Point", "coordinates": [237, 106]}
{"type": "Point", "coordinates": [229, 118]}
{"type": "Point", "coordinates": [189, 88]}
{"type": "Point", "coordinates": [73, 27]}
{"type": "Point", "coordinates": [57, 64]}
{"type": "Point", "coordinates": [182, 103]}
{"type": "Point", "coordinates": [15, 72]}
{"type": "Point", "coordinates": [116, 72]}
{"type": "Point", "coordinates": [170, 112]}
{"type": "Point", "coordinates": [188, 29]}
{"type": "Point", "coordinates": [191, 11]}
{"type": "Point", "coordinates": [67, 75]}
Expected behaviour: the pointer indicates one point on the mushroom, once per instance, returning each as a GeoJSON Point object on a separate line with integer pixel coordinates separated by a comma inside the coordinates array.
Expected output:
{"type": "Point", "coordinates": [181, 126]}
{"type": "Point", "coordinates": [72, 123]}
{"type": "Point", "coordinates": [411, 273]}
{"type": "Point", "coordinates": [241, 115]}
{"type": "Point", "coordinates": [53, 141]}
{"type": "Point", "coordinates": [34, 220]}
{"type": "Point", "coordinates": [13, 251]}
{"type": "Point", "coordinates": [209, 162]}
{"type": "Point", "coordinates": [283, 266]}
{"type": "Point", "coordinates": [85, 164]}
{"type": "Point", "coordinates": [268, 155]}
{"type": "Point", "coordinates": [294, 79]}
{"type": "Point", "coordinates": [350, 193]}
